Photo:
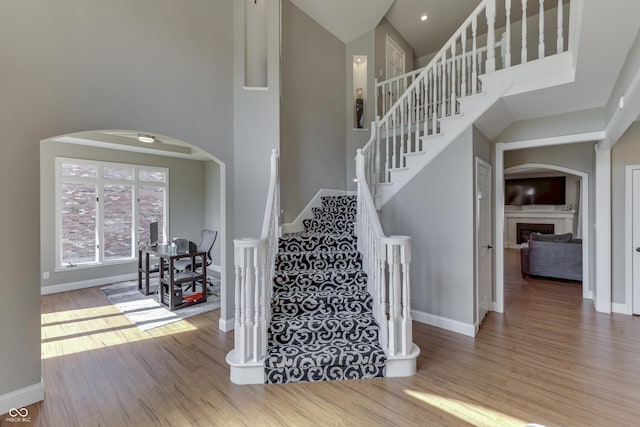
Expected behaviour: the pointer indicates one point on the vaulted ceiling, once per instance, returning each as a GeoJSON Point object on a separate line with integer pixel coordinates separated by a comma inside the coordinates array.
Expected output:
{"type": "Point", "coordinates": [348, 20]}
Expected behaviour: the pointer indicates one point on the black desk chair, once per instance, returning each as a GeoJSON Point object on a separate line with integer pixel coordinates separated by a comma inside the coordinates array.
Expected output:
{"type": "Point", "coordinates": [208, 238]}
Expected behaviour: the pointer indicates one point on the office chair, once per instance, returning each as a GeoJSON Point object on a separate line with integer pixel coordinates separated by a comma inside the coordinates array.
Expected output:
{"type": "Point", "coordinates": [208, 238]}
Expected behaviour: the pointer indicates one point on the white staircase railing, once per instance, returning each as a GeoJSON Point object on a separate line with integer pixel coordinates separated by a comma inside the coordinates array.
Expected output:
{"type": "Point", "coordinates": [453, 73]}
{"type": "Point", "coordinates": [388, 91]}
{"type": "Point", "coordinates": [254, 270]}
{"type": "Point", "coordinates": [386, 262]}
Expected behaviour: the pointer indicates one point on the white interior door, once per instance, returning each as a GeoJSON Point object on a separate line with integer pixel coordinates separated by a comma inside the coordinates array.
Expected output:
{"type": "Point", "coordinates": [635, 223]}
{"type": "Point", "coordinates": [395, 58]}
{"type": "Point", "coordinates": [484, 250]}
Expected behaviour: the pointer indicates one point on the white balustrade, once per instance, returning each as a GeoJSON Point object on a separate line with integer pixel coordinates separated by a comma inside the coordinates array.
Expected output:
{"type": "Point", "coordinates": [411, 106]}
{"type": "Point", "coordinates": [386, 261]}
{"type": "Point", "coordinates": [254, 261]}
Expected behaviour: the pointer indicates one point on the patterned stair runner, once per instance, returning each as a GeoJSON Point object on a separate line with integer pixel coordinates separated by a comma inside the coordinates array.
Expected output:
{"type": "Point", "coordinates": [322, 326]}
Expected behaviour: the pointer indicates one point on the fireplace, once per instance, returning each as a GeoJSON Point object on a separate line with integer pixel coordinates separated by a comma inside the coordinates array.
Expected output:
{"type": "Point", "coordinates": [523, 230]}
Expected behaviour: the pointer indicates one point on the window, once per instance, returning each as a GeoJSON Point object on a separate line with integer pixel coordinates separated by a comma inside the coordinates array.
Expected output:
{"type": "Point", "coordinates": [103, 210]}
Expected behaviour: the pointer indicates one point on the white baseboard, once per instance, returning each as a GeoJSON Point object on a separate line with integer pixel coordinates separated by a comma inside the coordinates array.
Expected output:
{"type": "Point", "coordinates": [226, 325]}
{"type": "Point", "coordinates": [315, 202]}
{"type": "Point", "coordinates": [456, 326]}
{"type": "Point", "coordinates": [20, 398]}
{"type": "Point", "coordinates": [621, 308]}
{"type": "Point", "coordinates": [72, 286]}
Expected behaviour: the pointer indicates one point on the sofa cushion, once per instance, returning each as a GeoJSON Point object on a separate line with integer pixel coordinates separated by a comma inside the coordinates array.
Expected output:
{"type": "Point", "coordinates": [551, 237]}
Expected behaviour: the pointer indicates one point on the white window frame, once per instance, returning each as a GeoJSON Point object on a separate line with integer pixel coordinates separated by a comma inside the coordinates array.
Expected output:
{"type": "Point", "coordinates": [100, 182]}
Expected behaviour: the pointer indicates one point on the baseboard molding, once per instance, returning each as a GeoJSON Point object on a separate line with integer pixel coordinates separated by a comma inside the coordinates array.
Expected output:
{"type": "Point", "coordinates": [226, 325]}
{"type": "Point", "coordinates": [456, 326]}
{"type": "Point", "coordinates": [621, 308]}
{"type": "Point", "coordinates": [316, 201]}
{"type": "Point", "coordinates": [72, 286]}
{"type": "Point", "coordinates": [21, 398]}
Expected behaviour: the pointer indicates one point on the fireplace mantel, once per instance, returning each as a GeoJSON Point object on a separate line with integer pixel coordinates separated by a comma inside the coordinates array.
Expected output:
{"type": "Point", "coordinates": [561, 217]}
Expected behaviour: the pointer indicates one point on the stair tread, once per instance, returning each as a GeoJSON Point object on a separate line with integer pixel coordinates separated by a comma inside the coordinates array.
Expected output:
{"type": "Point", "coordinates": [303, 253]}
{"type": "Point", "coordinates": [281, 317]}
{"type": "Point", "coordinates": [340, 352]}
{"type": "Point", "coordinates": [315, 270]}
{"type": "Point", "coordinates": [314, 234]}
{"type": "Point", "coordinates": [320, 293]}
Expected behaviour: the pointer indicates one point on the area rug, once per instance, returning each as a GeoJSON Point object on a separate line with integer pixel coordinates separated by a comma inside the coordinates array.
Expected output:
{"type": "Point", "coordinates": [146, 312]}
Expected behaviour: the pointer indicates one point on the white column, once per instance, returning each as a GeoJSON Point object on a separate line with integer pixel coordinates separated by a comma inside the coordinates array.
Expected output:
{"type": "Point", "coordinates": [602, 294]}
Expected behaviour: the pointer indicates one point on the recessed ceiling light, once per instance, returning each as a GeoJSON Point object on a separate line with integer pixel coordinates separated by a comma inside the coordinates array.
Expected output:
{"type": "Point", "coordinates": [149, 139]}
{"type": "Point", "coordinates": [423, 18]}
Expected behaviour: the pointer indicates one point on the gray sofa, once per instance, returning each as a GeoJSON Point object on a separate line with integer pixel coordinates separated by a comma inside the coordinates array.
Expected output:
{"type": "Point", "coordinates": [552, 255]}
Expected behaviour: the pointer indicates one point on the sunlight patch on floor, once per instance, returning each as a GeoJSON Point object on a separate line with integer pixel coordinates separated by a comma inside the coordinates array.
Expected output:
{"type": "Point", "coordinates": [75, 331]}
{"type": "Point", "coordinates": [471, 413]}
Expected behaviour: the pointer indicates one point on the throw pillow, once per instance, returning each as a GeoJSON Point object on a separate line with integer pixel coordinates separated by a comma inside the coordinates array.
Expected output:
{"type": "Point", "coordinates": [551, 237]}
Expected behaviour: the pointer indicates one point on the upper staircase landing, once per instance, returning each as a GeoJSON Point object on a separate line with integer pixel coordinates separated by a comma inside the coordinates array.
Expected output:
{"type": "Point", "coordinates": [423, 114]}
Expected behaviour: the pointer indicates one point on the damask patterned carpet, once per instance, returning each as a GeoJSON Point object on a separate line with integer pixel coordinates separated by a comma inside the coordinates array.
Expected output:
{"type": "Point", "coordinates": [322, 327]}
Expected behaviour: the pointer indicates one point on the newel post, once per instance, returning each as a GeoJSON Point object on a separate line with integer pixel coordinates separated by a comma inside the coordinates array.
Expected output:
{"type": "Point", "coordinates": [396, 254]}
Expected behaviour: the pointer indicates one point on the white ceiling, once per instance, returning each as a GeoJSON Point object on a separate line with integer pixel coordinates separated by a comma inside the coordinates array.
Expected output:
{"type": "Point", "coordinates": [345, 19]}
{"type": "Point", "coordinates": [443, 19]}
{"type": "Point", "coordinates": [349, 19]}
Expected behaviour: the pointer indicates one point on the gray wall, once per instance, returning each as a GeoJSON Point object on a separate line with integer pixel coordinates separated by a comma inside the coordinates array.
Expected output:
{"type": "Point", "coordinates": [628, 72]}
{"type": "Point", "coordinates": [186, 203]}
{"type": "Point", "coordinates": [580, 157]}
{"type": "Point", "coordinates": [151, 65]}
{"type": "Point", "coordinates": [436, 209]}
{"type": "Point", "coordinates": [313, 111]}
{"type": "Point", "coordinates": [625, 152]}
{"type": "Point", "coordinates": [256, 129]}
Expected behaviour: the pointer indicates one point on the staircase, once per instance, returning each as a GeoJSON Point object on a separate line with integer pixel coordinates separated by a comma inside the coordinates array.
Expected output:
{"type": "Point", "coordinates": [322, 325]}
{"type": "Point", "coordinates": [334, 301]}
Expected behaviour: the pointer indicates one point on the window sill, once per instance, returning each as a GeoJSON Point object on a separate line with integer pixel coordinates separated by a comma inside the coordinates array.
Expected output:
{"type": "Point", "coordinates": [63, 268]}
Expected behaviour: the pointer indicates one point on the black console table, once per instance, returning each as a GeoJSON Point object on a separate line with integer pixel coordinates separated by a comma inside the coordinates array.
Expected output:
{"type": "Point", "coordinates": [171, 292]}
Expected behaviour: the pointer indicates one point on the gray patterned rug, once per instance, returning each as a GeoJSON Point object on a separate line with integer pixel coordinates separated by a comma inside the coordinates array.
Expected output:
{"type": "Point", "coordinates": [146, 312]}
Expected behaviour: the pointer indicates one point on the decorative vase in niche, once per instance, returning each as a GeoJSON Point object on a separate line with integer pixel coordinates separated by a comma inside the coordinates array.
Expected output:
{"type": "Point", "coordinates": [359, 109]}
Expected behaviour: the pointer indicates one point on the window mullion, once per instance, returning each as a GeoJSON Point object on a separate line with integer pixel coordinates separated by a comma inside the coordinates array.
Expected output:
{"type": "Point", "coordinates": [100, 216]}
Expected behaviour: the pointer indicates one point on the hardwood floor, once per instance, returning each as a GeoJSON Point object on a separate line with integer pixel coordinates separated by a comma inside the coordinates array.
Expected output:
{"type": "Point", "coordinates": [549, 359]}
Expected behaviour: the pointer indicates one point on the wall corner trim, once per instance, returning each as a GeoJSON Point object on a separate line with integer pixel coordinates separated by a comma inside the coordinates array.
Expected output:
{"type": "Point", "coordinates": [226, 325]}
{"type": "Point", "coordinates": [21, 398]}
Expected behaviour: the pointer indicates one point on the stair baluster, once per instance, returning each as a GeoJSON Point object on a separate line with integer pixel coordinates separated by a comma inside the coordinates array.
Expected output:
{"type": "Point", "coordinates": [560, 41]}
{"type": "Point", "coordinates": [541, 30]}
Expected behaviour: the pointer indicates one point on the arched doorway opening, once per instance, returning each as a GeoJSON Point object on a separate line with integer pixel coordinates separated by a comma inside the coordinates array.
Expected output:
{"type": "Point", "coordinates": [195, 200]}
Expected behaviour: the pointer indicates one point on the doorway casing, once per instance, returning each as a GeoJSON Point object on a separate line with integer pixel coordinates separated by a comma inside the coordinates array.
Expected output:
{"type": "Point", "coordinates": [500, 148]}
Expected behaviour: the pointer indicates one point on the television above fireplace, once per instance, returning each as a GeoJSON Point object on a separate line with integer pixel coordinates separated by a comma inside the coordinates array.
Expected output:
{"type": "Point", "coordinates": [535, 191]}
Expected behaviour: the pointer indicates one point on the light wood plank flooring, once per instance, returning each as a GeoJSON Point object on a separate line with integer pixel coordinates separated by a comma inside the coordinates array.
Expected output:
{"type": "Point", "coordinates": [550, 359]}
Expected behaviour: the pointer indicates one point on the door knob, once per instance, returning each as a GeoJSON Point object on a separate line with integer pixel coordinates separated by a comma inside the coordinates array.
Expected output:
{"type": "Point", "coordinates": [491, 247]}
{"type": "Point", "coordinates": [638, 249]}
